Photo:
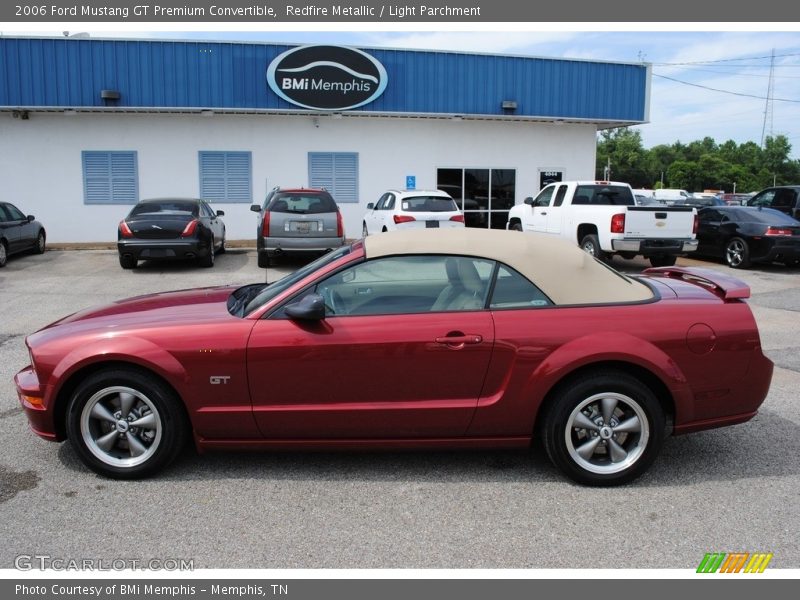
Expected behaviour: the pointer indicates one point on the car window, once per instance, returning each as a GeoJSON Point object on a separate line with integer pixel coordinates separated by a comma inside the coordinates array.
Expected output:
{"type": "Point", "coordinates": [3, 215]}
{"type": "Point", "coordinates": [14, 213]}
{"type": "Point", "coordinates": [562, 191]}
{"type": "Point", "coordinates": [381, 202]}
{"type": "Point", "coordinates": [428, 204]}
{"type": "Point", "coordinates": [390, 202]}
{"type": "Point", "coordinates": [167, 207]}
{"type": "Point", "coordinates": [299, 203]}
{"type": "Point", "coordinates": [784, 199]}
{"type": "Point", "coordinates": [512, 290]}
{"type": "Point", "coordinates": [543, 199]}
{"type": "Point", "coordinates": [408, 284]}
{"type": "Point", "coordinates": [604, 195]}
{"type": "Point", "coordinates": [763, 199]}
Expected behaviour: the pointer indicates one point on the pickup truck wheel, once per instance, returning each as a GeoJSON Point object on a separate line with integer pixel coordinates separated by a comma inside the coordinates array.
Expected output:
{"type": "Point", "coordinates": [591, 245]}
{"type": "Point", "coordinates": [663, 261]}
{"type": "Point", "coordinates": [516, 227]}
{"type": "Point", "coordinates": [603, 429]}
{"type": "Point", "coordinates": [737, 254]}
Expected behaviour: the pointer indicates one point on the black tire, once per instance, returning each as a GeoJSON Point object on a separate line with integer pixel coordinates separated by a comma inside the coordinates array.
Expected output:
{"type": "Point", "coordinates": [207, 261]}
{"type": "Point", "coordinates": [663, 261]}
{"type": "Point", "coordinates": [127, 262]}
{"type": "Point", "coordinates": [3, 254]}
{"type": "Point", "coordinates": [263, 260]}
{"type": "Point", "coordinates": [103, 443]}
{"type": "Point", "coordinates": [41, 242]}
{"type": "Point", "coordinates": [364, 230]}
{"type": "Point", "coordinates": [573, 449]}
{"type": "Point", "coordinates": [516, 227]}
{"type": "Point", "coordinates": [737, 253]}
{"type": "Point", "coordinates": [222, 248]}
{"type": "Point", "coordinates": [591, 245]}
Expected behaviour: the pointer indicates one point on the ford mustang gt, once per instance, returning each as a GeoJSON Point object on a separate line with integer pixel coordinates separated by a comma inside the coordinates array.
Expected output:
{"type": "Point", "coordinates": [458, 338]}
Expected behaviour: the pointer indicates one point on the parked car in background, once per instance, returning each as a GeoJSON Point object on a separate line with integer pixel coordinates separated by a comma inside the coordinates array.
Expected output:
{"type": "Point", "coordinates": [411, 209]}
{"type": "Point", "coordinates": [736, 199]}
{"type": "Point", "coordinates": [743, 235]}
{"type": "Point", "coordinates": [670, 195]}
{"type": "Point", "coordinates": [699, 201]}
{"type": "Point", "coordinates": [170, 228]}
{"type": "Point", "coordinates": [19, 232]}
{"type": "Point", "coordinates": [297, 221]}
{"type": "Point", "coordinates": [785, 198]}
{"type": "Point", "coordinates": [468, 338]}
{"type": "Point", "coordinates": [642, 200]}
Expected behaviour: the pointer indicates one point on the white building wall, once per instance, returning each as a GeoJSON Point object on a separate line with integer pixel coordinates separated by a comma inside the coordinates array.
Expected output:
{"type": "Point", "coordinates": [40, 158]}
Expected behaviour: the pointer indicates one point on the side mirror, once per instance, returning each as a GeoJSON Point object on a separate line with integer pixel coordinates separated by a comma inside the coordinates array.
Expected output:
{"type": "Point", "coordinates": [308, 308]}
{"type": "Point", "coordinates": [31, 218]}
{"type": "Point", "coordinates": [255, 207]}
{"type": "Point", "coordinates": [528, 201]}
{"type": "Point", "coordinates": [220, 213]}
{"type": "Point", "coordinates": [370, 206]}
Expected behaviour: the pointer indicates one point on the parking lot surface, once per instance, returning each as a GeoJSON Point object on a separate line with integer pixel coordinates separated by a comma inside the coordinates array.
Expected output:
{"type": "Point", "coordinates": [729, 490]}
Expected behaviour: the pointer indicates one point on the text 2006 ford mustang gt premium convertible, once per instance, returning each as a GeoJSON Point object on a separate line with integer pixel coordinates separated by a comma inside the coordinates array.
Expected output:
{"type": "Point", "coordinates": [419, 339]}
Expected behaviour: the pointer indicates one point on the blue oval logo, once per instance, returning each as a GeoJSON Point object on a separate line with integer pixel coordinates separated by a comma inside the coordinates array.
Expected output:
{"type": "Point", "coordinates": [327, 77]}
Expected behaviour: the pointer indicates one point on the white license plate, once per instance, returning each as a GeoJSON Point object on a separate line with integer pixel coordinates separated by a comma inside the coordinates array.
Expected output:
{"type": "Point", "coordinates": [303, 226]}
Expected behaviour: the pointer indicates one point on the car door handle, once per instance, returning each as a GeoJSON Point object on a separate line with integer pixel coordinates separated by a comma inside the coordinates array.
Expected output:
{"type": "Point", "coordinates": [459, 341]}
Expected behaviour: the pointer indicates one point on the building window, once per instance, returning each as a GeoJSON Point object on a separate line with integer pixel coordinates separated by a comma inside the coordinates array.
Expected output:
{"type": "Point", "coordinates": [485, 195]}
{"type": "Point", "coordinates": [337, 172]}
{"type": "Point", "coordinates": [226, 176]}
{"type": "Point", "coordinates": [110, 177]}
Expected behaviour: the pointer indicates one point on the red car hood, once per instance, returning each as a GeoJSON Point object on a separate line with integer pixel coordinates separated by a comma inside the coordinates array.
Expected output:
{"type": "Point", "coordinates": [152, 310]}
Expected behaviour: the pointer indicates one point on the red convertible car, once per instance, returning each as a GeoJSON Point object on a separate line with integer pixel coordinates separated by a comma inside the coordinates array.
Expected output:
{"type": "Point", "coordinates": [456, 338]}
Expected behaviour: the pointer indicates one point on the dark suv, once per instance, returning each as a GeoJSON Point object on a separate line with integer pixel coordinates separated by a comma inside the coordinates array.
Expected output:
{"type": "Point", "coordinates": [785, 198]}
{"type": "Point", "coordinates": [295, 221]}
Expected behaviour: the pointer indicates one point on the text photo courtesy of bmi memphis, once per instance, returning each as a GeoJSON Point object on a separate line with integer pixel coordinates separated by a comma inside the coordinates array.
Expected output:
{"type": "Point", "coordinates": [296, 306]}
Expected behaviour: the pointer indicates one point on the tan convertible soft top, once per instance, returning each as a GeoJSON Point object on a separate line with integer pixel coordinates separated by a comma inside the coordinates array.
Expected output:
{"type": "Point", "coordinates": [563, 271]}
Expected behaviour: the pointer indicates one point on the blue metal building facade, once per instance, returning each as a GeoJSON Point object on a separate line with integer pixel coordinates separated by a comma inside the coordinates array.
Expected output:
{"type": "Point", "coordinates": [69, 73]}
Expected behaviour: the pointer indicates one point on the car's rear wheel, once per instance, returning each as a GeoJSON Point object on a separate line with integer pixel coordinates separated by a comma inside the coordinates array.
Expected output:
{"type": "Point", "coordinates": [591, 245]}
{"type": "Point", "coordinates": [663, 261]}
{"type": "Point", "coordinates": [603, 429]}
{"type": "Point", "coordinates": [127, 262]}
{"type": "Point", "coordinates": [737, 253]}
{"type": "Point", "coordinates": [3, 254]}
{"type": "Point", "coordinates": [41, 242]}
{"type": "Point", "coordinates": [125, 424]}
{"type": "Point", "coordinates": [264, 260]}
{"type": "Point", "coordinates": [208, 260]}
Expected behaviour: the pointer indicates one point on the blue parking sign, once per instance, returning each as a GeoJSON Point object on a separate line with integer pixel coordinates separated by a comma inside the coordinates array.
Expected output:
{"type": "Point", "coordinates": [411, 182]}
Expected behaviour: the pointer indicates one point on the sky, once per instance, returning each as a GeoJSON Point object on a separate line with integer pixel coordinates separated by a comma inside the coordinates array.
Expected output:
{"type": "Point", "coordinates": [735, 64]}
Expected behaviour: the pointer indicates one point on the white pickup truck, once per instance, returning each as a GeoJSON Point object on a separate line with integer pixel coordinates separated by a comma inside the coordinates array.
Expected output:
{"type": "Point", "coordinates": [602, 218]}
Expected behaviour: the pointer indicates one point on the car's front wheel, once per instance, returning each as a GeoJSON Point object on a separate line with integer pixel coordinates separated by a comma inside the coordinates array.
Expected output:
{"type": "Point", "coordinates": [125, 424]}
{"type": "Point", "coordinates": [3, 254]}
{"type": "Point", "coordinates": [603, 429]}
{"type": "Point", "coordinates": [516, 226]}
{"type": "Point", "coordinates": [364, 231]}
{"type": "Point", "coordinates": [41, 242]}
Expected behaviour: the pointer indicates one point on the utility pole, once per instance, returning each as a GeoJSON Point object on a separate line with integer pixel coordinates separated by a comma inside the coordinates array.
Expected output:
{"type": "Point", "coordinates": [768, 109]}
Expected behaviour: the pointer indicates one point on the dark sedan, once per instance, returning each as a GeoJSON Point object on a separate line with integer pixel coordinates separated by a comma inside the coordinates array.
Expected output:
{"type": "Point", "coordinates": [171, 228]}
{"type": "Point", "coordinates": [743, 235]}
{"type": "Point", "coordinates": [19, 232]}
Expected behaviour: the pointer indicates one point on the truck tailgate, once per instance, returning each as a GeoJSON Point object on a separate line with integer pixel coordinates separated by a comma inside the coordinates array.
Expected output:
{"type": "Point", "coordinates": [660, 222]}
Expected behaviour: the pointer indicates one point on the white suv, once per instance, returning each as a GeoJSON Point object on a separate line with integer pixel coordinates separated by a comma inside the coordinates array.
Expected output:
{"type": "Point", "coordinates": [412, 209]}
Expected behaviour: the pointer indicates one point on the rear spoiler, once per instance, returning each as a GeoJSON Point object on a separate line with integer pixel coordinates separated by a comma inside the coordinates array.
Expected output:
{"type": "Point", "coordinates": [724, 286]}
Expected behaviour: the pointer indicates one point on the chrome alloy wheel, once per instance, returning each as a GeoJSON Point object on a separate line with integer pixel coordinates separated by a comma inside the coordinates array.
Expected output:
{"type": "Point", "coordinates": [735, 252]}
{"type": "Point", "coordinates": [121, 426]}
{"type": "Point", "coordinates": [607, 433]}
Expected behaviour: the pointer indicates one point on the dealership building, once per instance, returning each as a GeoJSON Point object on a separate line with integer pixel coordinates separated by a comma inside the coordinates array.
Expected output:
{"type": "Point", "coordinates": [90, 126]}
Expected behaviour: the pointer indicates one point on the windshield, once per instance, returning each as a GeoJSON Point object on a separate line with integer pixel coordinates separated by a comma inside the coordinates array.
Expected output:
{"type": "Point", "coordinates": [167, 207]}
{"type": "Point", "coordinates": [429, 204]}
{"type": "Point", "coordinates": [252, 297]}
{"type": "Point", "coordinates": [301, 204]}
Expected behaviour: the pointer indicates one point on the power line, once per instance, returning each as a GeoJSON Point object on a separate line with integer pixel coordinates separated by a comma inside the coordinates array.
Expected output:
{"type": "Point", "coordinates": [705, 62]}
{"type": "Point", "coordinates": [705, 87]}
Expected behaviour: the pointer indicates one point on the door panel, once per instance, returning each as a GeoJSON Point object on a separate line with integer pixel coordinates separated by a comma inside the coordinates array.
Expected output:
{"type": "Point", "coordinates": [369, 376]}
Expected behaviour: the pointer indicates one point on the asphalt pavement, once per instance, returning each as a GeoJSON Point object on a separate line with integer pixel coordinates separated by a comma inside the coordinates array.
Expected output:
{"type": "Point", "coordinates": [729, 490]}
